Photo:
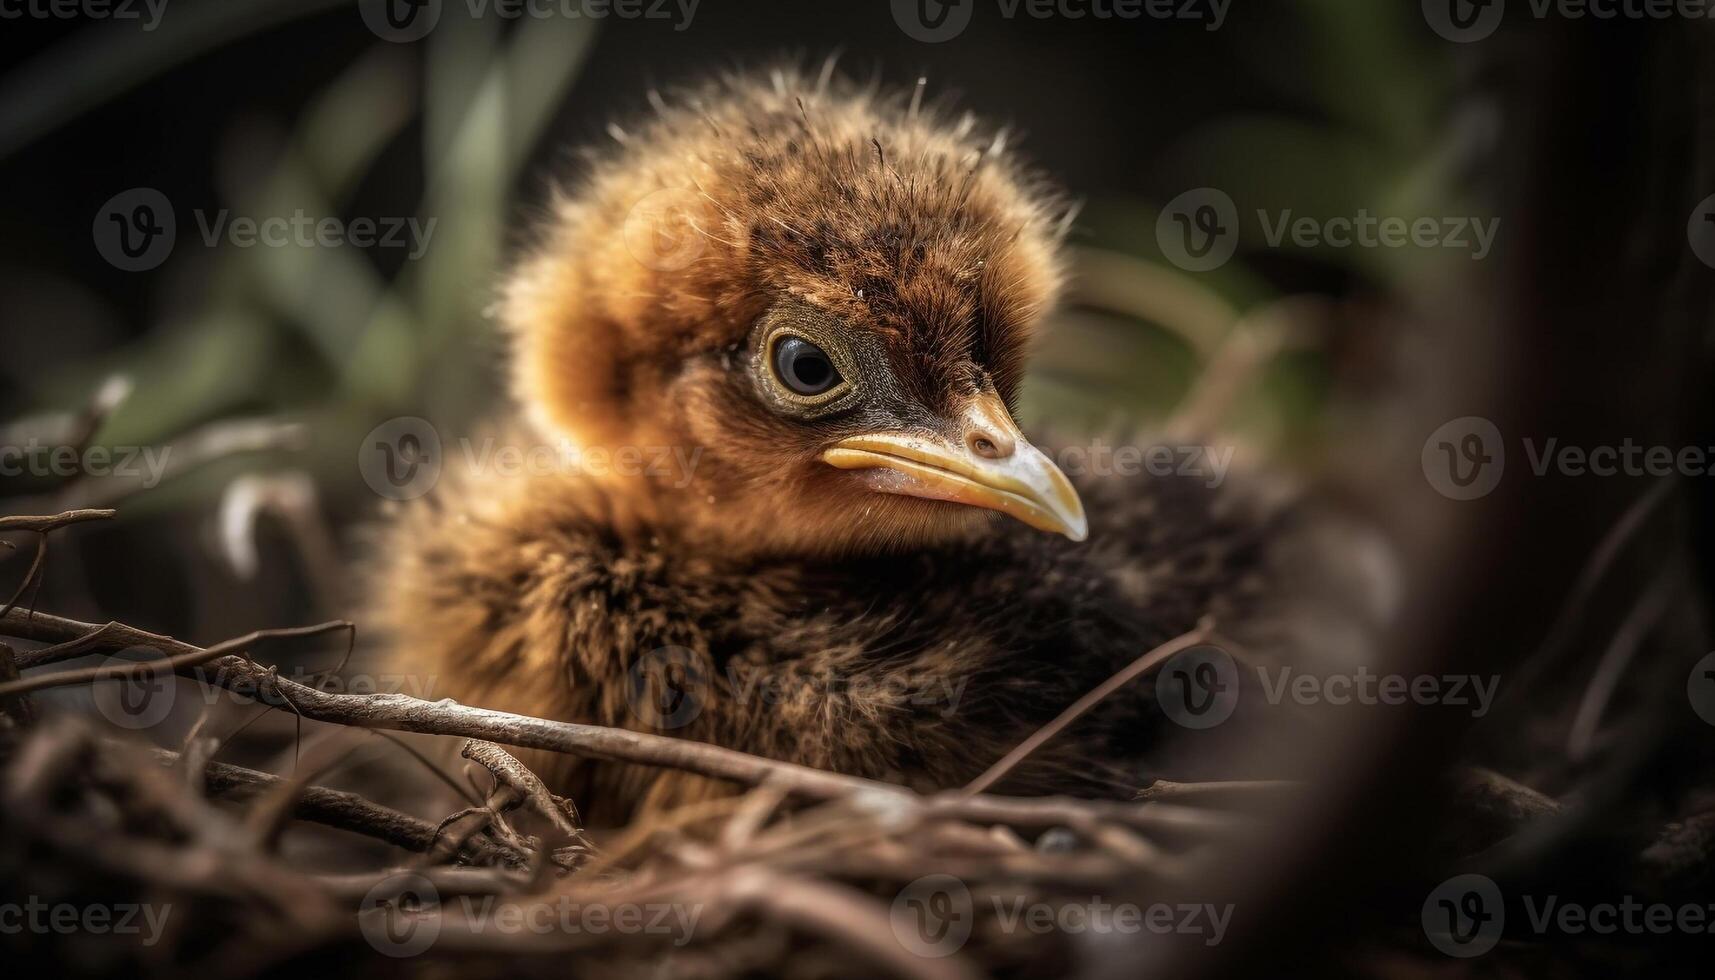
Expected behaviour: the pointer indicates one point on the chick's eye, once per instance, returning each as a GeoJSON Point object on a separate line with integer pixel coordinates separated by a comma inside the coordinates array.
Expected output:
{"type": "Point", "coordinates": [804, 367]}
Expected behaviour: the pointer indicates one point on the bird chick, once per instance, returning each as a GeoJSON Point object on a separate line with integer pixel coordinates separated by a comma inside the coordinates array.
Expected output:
{"type": "Point", "coordinates": [821, 299]}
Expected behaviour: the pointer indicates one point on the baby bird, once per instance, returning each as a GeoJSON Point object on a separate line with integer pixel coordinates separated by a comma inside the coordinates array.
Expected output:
{"type": "Point", "coordinates": [802, 311]}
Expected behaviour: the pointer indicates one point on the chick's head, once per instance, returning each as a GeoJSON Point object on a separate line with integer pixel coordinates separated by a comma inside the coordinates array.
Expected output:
{"type": "Point", "coordinates": [814, 303]}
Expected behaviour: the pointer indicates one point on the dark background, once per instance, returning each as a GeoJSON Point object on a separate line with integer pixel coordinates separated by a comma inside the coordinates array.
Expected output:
{"type": "Point", "coordinates": [1588, 325]}
{"type": "Point", "coordinates": [1327, 105]}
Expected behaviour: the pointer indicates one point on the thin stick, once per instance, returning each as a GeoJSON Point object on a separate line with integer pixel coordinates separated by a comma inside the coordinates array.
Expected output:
{"type": "Point", "coordinates": [333, 808]}
{"type": "Point", "coordinates": [193, 657]}
{"type": "Point", "coordinates": [42, 525]}
{"type": "Point", "coordinates": [513, 773]}
{"type": "Point", "coordinates": [401, 712]}
{"type": "Point", "coordinates": [1196, 637]}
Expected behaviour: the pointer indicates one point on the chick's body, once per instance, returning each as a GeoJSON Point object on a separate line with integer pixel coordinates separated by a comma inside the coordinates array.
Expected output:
{"type": "Point", "coordinates": [825, 346]}
{"type": "Point", "coordinates": [923, 667]}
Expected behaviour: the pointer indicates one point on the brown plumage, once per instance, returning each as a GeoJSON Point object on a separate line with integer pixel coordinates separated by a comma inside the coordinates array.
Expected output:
{"type": "Point", "coordinates": [825, 597]}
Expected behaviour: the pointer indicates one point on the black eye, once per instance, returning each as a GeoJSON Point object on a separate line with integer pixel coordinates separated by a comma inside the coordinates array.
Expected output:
{"type": "Point", "coordinates": [804, 367]}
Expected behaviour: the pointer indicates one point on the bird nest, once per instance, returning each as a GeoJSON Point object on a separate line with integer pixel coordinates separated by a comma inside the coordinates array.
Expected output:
{"type": "Point", "coordinates": [196, 864]}
{"type": "Point", "coordinates": [804, 872]}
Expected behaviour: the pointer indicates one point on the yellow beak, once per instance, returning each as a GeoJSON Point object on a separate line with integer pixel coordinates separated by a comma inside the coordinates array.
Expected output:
{"type": "Point", "coordinates": [992, 466]}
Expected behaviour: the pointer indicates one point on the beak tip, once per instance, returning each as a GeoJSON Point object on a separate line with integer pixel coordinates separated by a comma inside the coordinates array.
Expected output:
{"type": "Point", "coordinates": [1078, 531]}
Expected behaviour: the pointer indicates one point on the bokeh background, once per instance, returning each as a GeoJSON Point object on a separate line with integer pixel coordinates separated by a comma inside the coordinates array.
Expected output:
{"type": "Point", "coordinates": [263, 368]}
{"type": "Point", "coordinates": [271, 363]}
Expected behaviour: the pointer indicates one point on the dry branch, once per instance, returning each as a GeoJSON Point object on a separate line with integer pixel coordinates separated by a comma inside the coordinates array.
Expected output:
{"type": "Point", "coordinates": [400, 712]}
{"type": "Point", "coordinates": [42, 525]}
{"type": "Point", "coordinates": [341, 810]}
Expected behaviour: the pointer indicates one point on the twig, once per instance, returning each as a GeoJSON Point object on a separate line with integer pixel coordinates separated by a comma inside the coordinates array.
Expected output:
{"type": "Point", "coordinates": [1163, 789]}
{"type": "Point", "coordinates": [1602, 557]}
{"type": "Point", "coordinates": [42, 525]}
{"type": "Point", "coordinates": [19, 709]}
{"type": "Point", "coordinates": [427, 763]}
{"type": "Point", "coordinates": [846, 914]}
{"type": "Point", "coordinates": [1640, 621]}
{"type": "Point", "coordinates": [1201, 634]}
{"type": "Point", "coordinates": [1241, 355]}
{"type": "Point", "coordinates": [193, 657]}
{"type": "Point", "coordinates": [401, 712]}
{"type": "Point", "coordinates": [338, 809]}
{"type": "Point", "coordinates": [511, 772]}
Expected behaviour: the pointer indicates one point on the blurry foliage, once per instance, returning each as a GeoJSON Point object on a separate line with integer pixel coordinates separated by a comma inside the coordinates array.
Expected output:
{"type": "Point", "coordinates": [1366, 91]}
{"type": "Point", "coordinates": [326, 335]}
{"type": "Point", "coordinates": [331, 337]}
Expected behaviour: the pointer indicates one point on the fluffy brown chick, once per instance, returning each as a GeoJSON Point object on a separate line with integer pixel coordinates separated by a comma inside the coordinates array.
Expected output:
{"type": "Point", "coordinates": [824, 298]}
